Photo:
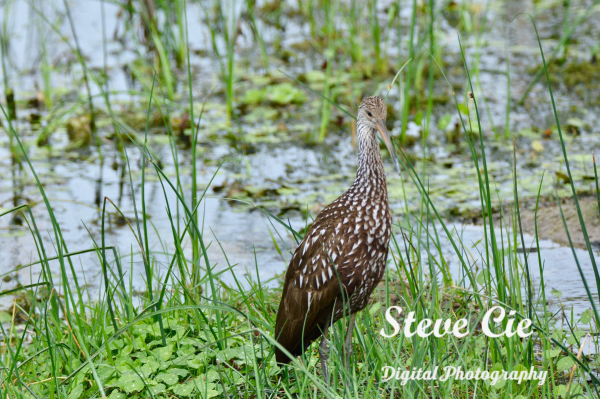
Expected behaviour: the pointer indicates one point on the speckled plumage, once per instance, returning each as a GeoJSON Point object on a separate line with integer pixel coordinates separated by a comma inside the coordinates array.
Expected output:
{"type": "Point", "coordinates": [349, 239]}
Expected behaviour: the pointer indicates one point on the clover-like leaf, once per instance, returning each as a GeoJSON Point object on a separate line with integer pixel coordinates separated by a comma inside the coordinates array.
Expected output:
{"type": "Point", "coordinates": [130, 383]}
{"type": "Point", "coordinates": [152, 363]}
{"type": "Point", "coordinates": [184, 389]}
{"type": "Point", "coordinates": [211, 375]}
{"type": "Point", "coordinates": [163, 353]}
{"type": "Point", "coordinates": [157, 389]}
{"type": "Point", "coordinates": [195, 362]}
{"type": "Point", "coordinates": [179, 372]}
{"type": "Point", "coordinates": [168, 378]}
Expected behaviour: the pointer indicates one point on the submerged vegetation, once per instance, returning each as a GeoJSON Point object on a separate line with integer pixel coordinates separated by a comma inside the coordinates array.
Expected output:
{"type": "Point", "coordinates": [119, 274]}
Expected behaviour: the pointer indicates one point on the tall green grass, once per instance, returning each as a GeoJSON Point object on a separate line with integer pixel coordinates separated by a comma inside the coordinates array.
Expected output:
{"type": "Point", "coordinates": [192, 335]}
{"type": "Point", "coordinates": [222, 19]}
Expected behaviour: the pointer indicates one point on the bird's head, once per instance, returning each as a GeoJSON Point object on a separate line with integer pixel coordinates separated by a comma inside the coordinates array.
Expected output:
{"type": "Point", "coordinates": [372, 113]}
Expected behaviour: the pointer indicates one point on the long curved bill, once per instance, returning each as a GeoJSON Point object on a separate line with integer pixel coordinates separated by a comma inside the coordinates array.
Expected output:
{"type": "Point", "coordinates": [388, 142]}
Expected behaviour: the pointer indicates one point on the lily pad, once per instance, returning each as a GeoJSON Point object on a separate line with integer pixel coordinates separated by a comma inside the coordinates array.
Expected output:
{"type": "Point", "coordinates": [285, 94]}
{"type": "Point", "coordinates": [254, 96]}
{"type": "Point", "coordinates": [261, 114]}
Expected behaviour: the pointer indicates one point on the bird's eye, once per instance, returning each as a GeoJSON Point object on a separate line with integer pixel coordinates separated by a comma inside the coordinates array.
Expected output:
{"type": "Point", "coordinates": [369, 113]}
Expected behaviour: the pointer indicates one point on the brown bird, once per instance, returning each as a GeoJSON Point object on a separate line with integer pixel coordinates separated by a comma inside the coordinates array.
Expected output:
{"type": "Point", "coordinates": [342, 258]}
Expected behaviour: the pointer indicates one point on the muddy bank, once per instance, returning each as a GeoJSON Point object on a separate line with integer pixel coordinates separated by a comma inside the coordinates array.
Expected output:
{"type": "Point", "coordinates": [550, 225]}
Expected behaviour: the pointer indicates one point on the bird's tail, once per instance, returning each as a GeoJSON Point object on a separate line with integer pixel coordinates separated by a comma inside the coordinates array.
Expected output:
{"type": "Point", "coordinates": [282, 335]}
{"type": "Point", "coordinates": [295, 337]}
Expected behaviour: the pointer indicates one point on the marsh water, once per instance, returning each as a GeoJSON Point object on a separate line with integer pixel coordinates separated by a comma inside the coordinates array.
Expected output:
{"type": "Point", "coordinates": [263, 157]}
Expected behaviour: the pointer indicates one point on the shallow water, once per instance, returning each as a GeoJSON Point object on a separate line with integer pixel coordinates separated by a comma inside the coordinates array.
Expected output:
{"type": "Point", "coordinates": [76, 180]}
{"type": "Point", "coordinates": [558, 268]}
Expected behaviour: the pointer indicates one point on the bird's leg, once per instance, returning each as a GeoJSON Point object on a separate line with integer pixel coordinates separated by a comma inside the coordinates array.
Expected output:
{"type": "Point", "coordinates": [324, 353]}
{"type": "Point", "coordinates": [348, 343]}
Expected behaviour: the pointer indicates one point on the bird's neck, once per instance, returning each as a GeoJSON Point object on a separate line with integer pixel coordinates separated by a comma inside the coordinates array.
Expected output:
{"type": "Point", "coordinates": [370, 164]}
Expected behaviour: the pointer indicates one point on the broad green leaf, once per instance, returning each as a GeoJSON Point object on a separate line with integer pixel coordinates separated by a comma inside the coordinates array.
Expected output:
{"type": "Point", "coordinates": [254, 96]}
{"type": "Point", "coordinates": [483, 276]}
{"type": "Point", "coordinates": [558, 334]}
{"type": "Point", "coordinates": [501, 381]}
{"type": "Point", "coordinates": [500, 384]}
{"type": "Point", "coordinates": [186, 350]}
{"type": "Point", "coordinates": [560, 390]}
{"type": "Point", "coordinates": [158, 389]}
{"type": "Point", "coordinates": [586, 317]}
{"type": "Point", "coordinates": [163, 353]}
{"type": "Point", "coordinates": [195, 362]}
{"type": "Point", "coordinates": [576, 334]}
{"type": "Point", "coordinates": [551, 353]}
{"type": "Point", "coordinates": [105, 372]}
{"type": "Point", "coordinates": [537, 146]}
{"type": "Point", "coordinates": [373, 309]}
{"type": "Point", "coordinates": [130, 383]}
{"type": "Point", "coordinates": [575, 390]}
{"type": "Point", "coordinates": [444, 121]}
{"type": "Point", "coordinates": [76, 392]}
{"type": "Point", "coordinates": [565, 363]}
{"type": "Point", "coordinates": [145, 370]}
{"type": "Point", "coordinates": [152, 363]}
{"type": "Point", "coordinates": [116, 394]}
{"type": "Point", "coordinates": [126, 350]}
{"type": "Point", "coordinates": [211, 375]}
{"type": "Point", "coordinates": [179, 372]}
{"type": "Point", "coordinates": [230, 353]}
{"type": "Point", "coordinates": [118, 343]}
{"type": "Point", "coordinates": [124, 364]}
{"type": "Point", "coordinates": [520, 367]}
{"type": "Point", "coordinates": [576, 122]}
{"type": "Point", "coordinates": [315, 76]}
{"type": "Point", "coordinates": [168, 378]}
{"type": "Point", "coordinates": [285, 93]}
{"type": "Point", "coordinates": [184, 389]}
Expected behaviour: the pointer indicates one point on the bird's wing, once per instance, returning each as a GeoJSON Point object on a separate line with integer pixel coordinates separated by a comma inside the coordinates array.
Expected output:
{"type": "Point", "coordinates": [311, 283]}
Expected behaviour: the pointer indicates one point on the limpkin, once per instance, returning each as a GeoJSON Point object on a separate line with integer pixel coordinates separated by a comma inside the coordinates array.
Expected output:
{"type": "Point", "coordinates": [342, 257]}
